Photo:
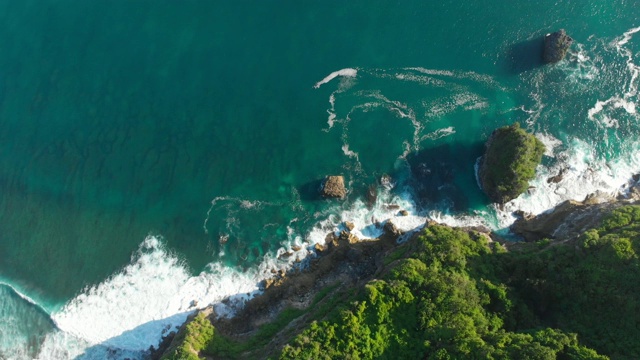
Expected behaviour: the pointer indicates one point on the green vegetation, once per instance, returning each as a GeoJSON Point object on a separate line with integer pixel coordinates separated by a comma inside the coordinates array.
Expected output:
{"type": "Point", "coordinates": [196, 336]}
{"type": "Point", "coordinates": [443, 302]}
{"type": "Point", "coordinates": [589, 287]}
{"type": "Point", "coordinates": [509, 163]}
{"type": "Point", "coordinates": [450, 294]}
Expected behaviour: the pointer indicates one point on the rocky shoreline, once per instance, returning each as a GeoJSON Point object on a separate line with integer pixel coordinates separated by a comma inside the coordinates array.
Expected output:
{"type": "Point", "coordinates": [343, 262]}
{"type": "Point", "coordinates": [570, 218]}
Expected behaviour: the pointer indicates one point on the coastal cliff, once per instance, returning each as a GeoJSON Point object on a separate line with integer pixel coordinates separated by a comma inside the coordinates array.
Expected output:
{"type": "Point", "coordinates": [448, 293]}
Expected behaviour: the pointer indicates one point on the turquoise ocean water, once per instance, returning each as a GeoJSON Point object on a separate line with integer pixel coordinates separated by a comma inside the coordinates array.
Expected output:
{"type": "Point", "coordinates": [153, 153]}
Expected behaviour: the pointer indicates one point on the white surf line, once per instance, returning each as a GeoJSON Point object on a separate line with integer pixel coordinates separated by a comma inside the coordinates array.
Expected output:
{"type": "Point", "coordinates": [347, 72]}
{"type": "Point", "coordinates": [23, 296]}
{"type": "Point", "coordinates": [130, 309]}
{"type": "Point", "coordinates": [635, 70]}
{"type": "Point", "coordinates": [213, 203]}
{"type": "Point", "coordinates": [486, 80]}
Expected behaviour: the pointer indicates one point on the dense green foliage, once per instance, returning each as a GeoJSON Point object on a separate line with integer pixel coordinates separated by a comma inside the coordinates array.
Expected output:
{"type": "Point", "coordinates": [198, 334]}
{"type": "Point", "coordinates": [510, 163]}
{"type": "Point", "coordinates": [590, 288]}
{"type": "Point", "coordinates": [450, 294]}
{"type": "Point", "coordinates": [437, 305]}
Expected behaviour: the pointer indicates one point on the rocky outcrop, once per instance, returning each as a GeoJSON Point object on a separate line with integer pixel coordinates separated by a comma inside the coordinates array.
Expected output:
{"type": "Point", "coordinates": [390, 232]}
{"type": "Point", "coordinates": [557, 178]}
{"type": "Point", "coordinates": [556, 46]}
{"type": "Point", "coordinates": [567, 220]}
{"type": "Point", "coordinates": [349, 225]}
{"type": "Point", "coordinates": [509, 163]}
{"type": "Point", "coordinates": [333, 187]}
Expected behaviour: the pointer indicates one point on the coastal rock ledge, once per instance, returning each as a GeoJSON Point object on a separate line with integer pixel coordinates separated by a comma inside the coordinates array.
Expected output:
{"type": "Point", "coordinates": [333, 187]}
{"type": "Point", "coordinates": [509, 163]}
{"type": "Point", "coordinates": [556, 46]}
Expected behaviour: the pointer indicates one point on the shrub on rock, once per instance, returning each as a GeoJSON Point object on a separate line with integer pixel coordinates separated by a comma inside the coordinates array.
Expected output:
{"type": "Point", "coordinates": [509, 163]}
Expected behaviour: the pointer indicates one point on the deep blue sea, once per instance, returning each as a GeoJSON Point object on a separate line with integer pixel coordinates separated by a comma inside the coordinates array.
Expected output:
{"type": "Point", "coordinates": [159, 156]}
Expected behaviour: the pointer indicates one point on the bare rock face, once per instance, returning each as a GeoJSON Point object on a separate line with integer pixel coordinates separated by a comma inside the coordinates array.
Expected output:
{"type": "Point", "coordinates": [333, 187]}
{"type": "Point", "coordinates": [349, 225]}
{"type": "Point", "coordinates": [556, 46]}
{"type": "Point", "coordinates": [565, 221]}
{"type": "Point", "coordinates": [390, 232]}
{"type": "Point", "coordinates": [348, 237]}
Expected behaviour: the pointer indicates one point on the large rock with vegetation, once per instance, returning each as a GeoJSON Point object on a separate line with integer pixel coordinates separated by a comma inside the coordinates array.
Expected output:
{"type": "Point", "coordinates": [509, 163]}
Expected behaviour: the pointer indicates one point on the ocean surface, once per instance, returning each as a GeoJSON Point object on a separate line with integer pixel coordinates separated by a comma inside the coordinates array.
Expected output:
{"type": "Point", "coordinates": [159, 156]}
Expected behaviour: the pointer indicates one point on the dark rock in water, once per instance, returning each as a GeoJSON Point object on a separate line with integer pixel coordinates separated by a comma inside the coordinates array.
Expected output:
{"type": "Point", "coordinates": [372, 195]}
{"type": "Point", "coordinates": [556, 179]}
{"type": "Point", "coordinates": [556, 46]}
{"type": "Point", "coordinates": [635, 177]}
{"type": "Point", "coordinates": [403, 213]}
{"type": "Point", "coordinates": [392, 206]}
{"type": "Point", "coordinates": [509, 163]}
{"type": "Point", "coordinates": [331, 240]}
{"type": "Point", "coordinates": [333, 187]}
{"type": "Point", "coordinates": [523, 215]}
{"type": "Point", "coordinates": [348, 237]}
{"type": "Point", "coordinates": [390, 231]}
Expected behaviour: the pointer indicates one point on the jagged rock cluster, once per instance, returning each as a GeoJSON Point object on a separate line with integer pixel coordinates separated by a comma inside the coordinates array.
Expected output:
{"type": "Point", "coordinates": [556, 46]}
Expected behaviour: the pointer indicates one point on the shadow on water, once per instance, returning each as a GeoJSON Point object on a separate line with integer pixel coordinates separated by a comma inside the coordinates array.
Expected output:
{"type": "Point", "coordinates": [310, 191]}
{"type": "Point", "coordinates": [115, 348]}
{"type": "Point", "coordinates": [444, 177]}
{"type": "Point", "coordinates": [524, 56]}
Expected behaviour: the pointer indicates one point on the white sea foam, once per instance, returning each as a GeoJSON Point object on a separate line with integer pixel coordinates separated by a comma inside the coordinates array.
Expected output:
{"type": "Point", "coordinates": [624, 39]}
{"type": "Point", "coordinates": [487, 80]}
{"type": "Point", "coordinates": [550, 143]}
{"type": "Point", "coordinates": [349, 153]}
{"type": "Point", "coordinates": [440, 133]}
{"type": "Point", "coordinates": [368, 221]}
{"type": "Point", "coordinates": [583, 173]}
{"type": "Point", "coordinates": [130, 309]}
{"type": "Point", "coordinates": [348, 72]}
{"type": "Point", "coordinates": [332, 111]}
{"type": "Point", "coordinates": [628, 100]}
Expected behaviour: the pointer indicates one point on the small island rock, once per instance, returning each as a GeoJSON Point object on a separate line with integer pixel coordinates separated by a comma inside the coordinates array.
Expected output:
{"type": "Point", "coordinates": [509, 163]}
{"type": "Point", "coordinates": [556, 46]}
{"type": "Point", "coordinates": [333, 187]}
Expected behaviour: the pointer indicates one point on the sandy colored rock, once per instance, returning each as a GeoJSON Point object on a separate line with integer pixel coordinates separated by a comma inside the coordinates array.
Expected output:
{"type": "Point", "coordinates": [333, 187]}
{"type": "Point", "coordinates": [349, 225]}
